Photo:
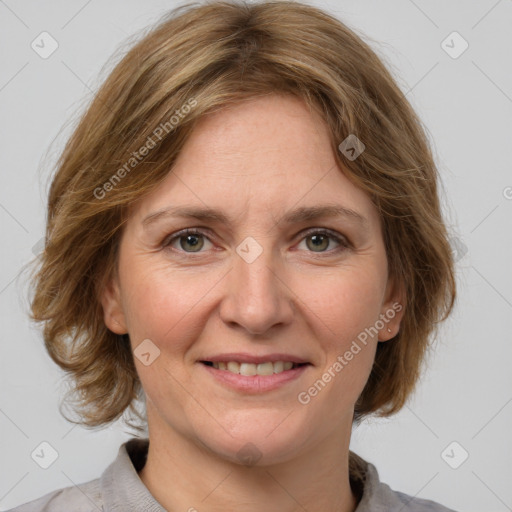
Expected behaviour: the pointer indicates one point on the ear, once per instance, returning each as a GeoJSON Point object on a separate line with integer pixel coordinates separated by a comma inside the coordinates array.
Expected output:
{"type": "Point", "coordinates": [113, 313]}
{"type": "Point", "coordinates": [392, 310]}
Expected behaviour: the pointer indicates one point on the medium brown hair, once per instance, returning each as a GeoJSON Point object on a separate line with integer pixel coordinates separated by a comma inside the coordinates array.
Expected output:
{"type": "Point", "coordinates": [208, 57]}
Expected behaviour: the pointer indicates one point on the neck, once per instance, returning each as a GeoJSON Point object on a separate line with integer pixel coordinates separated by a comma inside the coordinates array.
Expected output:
{"type": "Point", "coordinates": [184, 476]}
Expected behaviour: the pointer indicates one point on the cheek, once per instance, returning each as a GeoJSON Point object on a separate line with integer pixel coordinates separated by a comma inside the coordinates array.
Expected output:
{"type": "Point", "coordinates": [344, 302]}
{"type": "Point", "coordinates": [343, 311]}
{"type": "Point", "coordinates": [343, 306]}
{"type": "Point", "coordinates": [165, 307]}
{"type": "Point", "coordinates": [163, 304]}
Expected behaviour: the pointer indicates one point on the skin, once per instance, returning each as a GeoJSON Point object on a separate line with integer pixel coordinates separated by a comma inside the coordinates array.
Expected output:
{"type": "Point", "coordinates": [256, 162]}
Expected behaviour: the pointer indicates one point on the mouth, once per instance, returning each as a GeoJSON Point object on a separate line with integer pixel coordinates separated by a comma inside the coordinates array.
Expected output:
{"type": "Point", "coordinates": [251, 374]}
{"type": "Point", "coordinates": [249, 369]}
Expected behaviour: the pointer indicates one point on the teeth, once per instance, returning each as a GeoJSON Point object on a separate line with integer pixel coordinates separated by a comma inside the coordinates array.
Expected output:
{"type": "Point", "coordinates": [278, 366]}
{"type": "Point", "coordinates": [233, 367]}
{"type": "Point", "coordinates": [249, 369]}
{"type": "Point", "coordinates": [265, 369]}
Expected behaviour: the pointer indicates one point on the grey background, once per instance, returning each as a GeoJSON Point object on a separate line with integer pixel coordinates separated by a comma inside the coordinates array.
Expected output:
{"type": "Point", "coordinates": [466, 103]}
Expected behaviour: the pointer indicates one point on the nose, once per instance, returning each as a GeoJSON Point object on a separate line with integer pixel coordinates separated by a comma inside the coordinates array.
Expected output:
{"type": "Point", "coordinates": [257, 296]}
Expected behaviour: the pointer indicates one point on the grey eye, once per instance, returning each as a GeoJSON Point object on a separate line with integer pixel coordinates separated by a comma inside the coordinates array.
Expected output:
{"type": "Point", "coordinates": [318, 241]}
{"type": "Point", "coordinates": [196, 242]}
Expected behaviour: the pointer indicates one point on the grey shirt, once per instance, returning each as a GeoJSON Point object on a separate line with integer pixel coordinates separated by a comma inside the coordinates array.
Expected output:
{"type": "Point", "coordinates": [119, 489]}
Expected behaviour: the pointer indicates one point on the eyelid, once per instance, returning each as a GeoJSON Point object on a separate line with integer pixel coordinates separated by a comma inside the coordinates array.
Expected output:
{"type": "Point", "coordinates": [206, 232]}
{"type": "Point", "coordinates": [342, 240]}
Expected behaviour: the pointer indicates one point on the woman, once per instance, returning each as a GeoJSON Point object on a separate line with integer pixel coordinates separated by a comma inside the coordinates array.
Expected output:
{"type": "Point", "coordinates": [244, 238]}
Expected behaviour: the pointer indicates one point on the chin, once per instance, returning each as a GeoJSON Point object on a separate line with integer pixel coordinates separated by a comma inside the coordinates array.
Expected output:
{"type": "Point", "coordinates": [254, 442]}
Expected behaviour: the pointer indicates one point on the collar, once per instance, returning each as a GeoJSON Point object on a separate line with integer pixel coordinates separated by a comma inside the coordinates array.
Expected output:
{"type": "Point", "coordinates": [123, 490]}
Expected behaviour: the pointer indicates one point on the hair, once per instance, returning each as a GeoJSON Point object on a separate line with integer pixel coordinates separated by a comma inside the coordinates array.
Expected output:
{"type": "Point", "coordinates": [202, 58]}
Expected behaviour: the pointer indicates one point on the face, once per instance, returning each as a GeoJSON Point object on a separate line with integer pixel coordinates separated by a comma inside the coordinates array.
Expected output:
{"type": "Point", "coordinates": [266, 279]}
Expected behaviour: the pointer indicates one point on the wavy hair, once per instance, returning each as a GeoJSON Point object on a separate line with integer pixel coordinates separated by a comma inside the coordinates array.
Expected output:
{"type": "Point", "coordinates": [207, 57]}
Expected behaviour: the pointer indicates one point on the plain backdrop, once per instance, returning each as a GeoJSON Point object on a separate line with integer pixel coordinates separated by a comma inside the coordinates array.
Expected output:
{"type": "Point", "coordinates": [452, 442]}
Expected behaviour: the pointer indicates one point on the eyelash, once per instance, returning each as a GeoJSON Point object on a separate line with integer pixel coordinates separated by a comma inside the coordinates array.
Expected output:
{"type": "Point", "coordinates": [342, 241]}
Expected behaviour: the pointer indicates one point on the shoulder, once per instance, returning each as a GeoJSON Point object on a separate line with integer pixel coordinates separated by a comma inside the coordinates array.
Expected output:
{"type": "Point", "coordinates": [376, 496]}
{"type": "Point", "coordinates": [407, 503]}
{"type": "Point", "coordinates": [118, 488]}
{"type": "Point", "coordinates": [81, 498]}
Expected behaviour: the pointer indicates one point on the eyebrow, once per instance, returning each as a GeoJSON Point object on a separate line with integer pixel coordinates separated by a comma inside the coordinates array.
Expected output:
{"type": "Point", "coordinates": [301, 214]}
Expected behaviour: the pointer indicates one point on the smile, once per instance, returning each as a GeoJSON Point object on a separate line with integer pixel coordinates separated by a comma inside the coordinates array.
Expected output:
{"type": "Point", "coordinates": [254, 377]}
{"type": "Point", "coordinates": [248, 369]}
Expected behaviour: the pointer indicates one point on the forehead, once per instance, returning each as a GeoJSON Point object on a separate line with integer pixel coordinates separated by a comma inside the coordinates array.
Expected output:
{"type": "Point", "coordinates": [263, 155]}
{"type": "Point", "coordinates": [271, 133]}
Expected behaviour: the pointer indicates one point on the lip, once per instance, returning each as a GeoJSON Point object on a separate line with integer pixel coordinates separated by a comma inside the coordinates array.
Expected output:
{"type": "Point", "coordinates": [254, 384]}
{"type": "Point", "coordinates": [242, 357]}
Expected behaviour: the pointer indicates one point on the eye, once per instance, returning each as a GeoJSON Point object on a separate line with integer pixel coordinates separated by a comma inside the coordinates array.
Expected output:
{"type": "Point", "coordinates": [192, 240]}
{"type": "Point", "coordinates": [319, 240]}
{"type": "Point", "coordinates": [187, 239]}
